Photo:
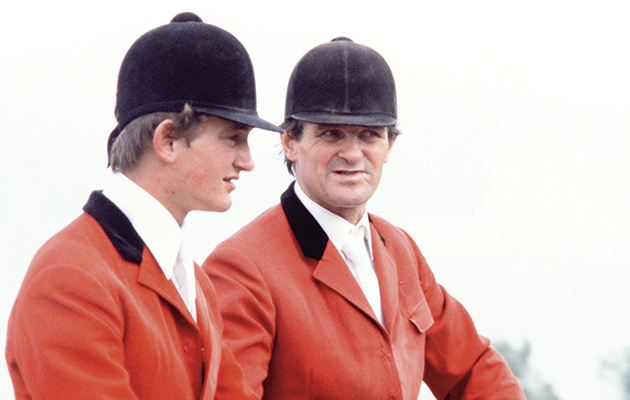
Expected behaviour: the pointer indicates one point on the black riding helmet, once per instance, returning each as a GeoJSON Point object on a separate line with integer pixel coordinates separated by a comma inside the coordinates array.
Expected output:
{"type": "Point", "coordinates": [187, 61]}
{"type": "Point", "coordinates": [342, 82]}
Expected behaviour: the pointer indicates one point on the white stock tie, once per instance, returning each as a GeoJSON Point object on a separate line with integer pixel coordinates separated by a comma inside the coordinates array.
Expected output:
{"type": "Point", "coordinates": [181, 279]}
{"type": "Point", "coordinates": [360, 264]}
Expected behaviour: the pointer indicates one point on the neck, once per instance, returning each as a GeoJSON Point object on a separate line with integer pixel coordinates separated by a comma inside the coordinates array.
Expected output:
{"type": "Point", "coordinates": [156, 183]}
{"type": "Point", "coordinates": [352, 215]}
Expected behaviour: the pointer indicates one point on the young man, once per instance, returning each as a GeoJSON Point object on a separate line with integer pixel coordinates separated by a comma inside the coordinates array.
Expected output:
{"type": "Point", "coordinates": [322, 300]}
{"type": "Point", "coordinates": [112, 307]}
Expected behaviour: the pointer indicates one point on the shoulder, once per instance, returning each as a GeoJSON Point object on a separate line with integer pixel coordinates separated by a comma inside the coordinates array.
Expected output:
{"type": "Point", "coordinates": [82, 238]}
{"type": "Point", "coordinates": [398, 242]}
{"type": "Point", "coordinates": [267, 240]}
{"type": "Point", "coordinates": [68, 270]}
{"type": "Point", "coordinates": [268, 227]}
{"type": "Point", "coordinates": [79, 253]}
{"type": "Point", "coordinates": [390, 232]}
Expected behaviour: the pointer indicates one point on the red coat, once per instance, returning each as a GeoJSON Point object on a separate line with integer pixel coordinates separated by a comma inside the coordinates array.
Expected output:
{"type": "Point", "coordinates": [301, 328]}
{"type": "Point", "coordinates": [96, 318]}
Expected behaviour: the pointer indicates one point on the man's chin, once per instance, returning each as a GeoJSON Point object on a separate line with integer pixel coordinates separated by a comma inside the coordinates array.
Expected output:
{"type": "Point", "coordinates": [219, 206]}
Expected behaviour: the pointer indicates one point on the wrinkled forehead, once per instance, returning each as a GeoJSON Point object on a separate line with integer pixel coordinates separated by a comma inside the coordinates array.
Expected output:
{"type": "Point", "coordinates": [343, 127]}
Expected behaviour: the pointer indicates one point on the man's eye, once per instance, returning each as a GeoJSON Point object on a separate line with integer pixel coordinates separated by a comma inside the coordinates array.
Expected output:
{"type": "Point", "coordinates": [371, 134]}
{"type": "Point", "coordinates": [331, 134]}
{"type": "Point", "coordinates": [233, 139]}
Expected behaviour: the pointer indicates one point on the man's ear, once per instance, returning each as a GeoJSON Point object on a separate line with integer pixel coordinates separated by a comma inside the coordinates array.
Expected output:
{"type": "Point", "coordinates": [289, 145]}
{"type": "Point", "coordinates": [163, 141]}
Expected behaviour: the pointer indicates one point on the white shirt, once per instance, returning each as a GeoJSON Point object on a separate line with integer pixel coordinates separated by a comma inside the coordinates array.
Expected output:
{"type": "Point", "coordinates": [156, 226]}
{"type": "Point", "coordinates": [335, 227]}
{"type": "Point", "coordinates": [338, 229]}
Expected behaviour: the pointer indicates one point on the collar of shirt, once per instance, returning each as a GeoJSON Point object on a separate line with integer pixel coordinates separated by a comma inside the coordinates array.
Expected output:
{"type": "Point", "coordinates": [153, 222]}
{"type": "Point", "coordinates": [335, 227]}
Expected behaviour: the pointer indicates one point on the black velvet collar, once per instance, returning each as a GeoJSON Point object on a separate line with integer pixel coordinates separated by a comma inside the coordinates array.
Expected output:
{"type": "Point", "coordinates": [305, 227]}
{"type": "Point", "coordinates": [116, 225]}
{"type": "Point", "coordinates": [120, 231]}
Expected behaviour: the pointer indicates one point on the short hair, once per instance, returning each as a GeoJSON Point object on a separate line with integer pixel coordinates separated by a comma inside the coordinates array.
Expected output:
{"type": "Point", "coordinates": [137, 137]}
{"type": "Point", "coordinates": [294, 128]}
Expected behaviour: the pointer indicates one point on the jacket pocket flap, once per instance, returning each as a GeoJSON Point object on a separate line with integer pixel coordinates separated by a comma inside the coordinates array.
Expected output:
{"type": "Point", "coordinates": [421, 316]}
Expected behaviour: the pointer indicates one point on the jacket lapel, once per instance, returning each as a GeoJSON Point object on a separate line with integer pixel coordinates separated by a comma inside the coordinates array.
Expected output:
{"type": "Point", "coordinates": [131, 247]}
{"type": "Point", "coordinates": [152, 277]}
{"type": "Point", "coordinates": [387, 275]}
{"type": "Point", "coordinates": [331, 270]}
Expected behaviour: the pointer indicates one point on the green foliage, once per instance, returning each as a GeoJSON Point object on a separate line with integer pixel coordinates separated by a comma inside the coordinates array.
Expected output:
{"type": "Point", "coordinates": [518, 360]}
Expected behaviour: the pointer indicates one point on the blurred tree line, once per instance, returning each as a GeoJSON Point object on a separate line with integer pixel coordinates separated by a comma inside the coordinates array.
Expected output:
{"type": "Point", "coordinates": [617, 368]}
{"type": "Point", "coordinates": [534, 386]}
{"type": "Point", "coordinates": [614, 368]}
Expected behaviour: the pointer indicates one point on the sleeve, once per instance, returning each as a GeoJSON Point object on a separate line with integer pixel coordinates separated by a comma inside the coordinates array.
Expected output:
{"type": "Point", "coordinates": [247, 310]}
{"type": "Point", "coordinates": [65, 339]}
{"type": "Point", "coordinates": [231, 384]}
{"type": "Point", "coordinates": [460, 364]}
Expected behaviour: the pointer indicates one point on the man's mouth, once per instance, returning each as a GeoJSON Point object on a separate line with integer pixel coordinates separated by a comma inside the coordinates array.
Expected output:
{"type": "Point", "coordinates": [348, 173]}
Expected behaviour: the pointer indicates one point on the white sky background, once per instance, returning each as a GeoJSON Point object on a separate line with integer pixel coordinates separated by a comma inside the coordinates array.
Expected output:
{"type": "Point", "coordinates": [511, 174]}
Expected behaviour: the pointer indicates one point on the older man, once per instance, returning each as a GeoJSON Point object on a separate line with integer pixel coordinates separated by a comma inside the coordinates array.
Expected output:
{"type": "Point", "coordinates": [322, 300]}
